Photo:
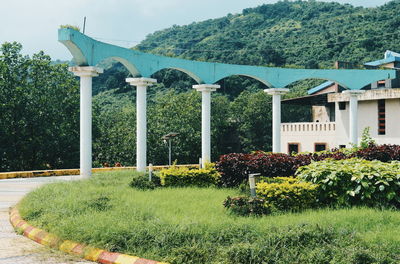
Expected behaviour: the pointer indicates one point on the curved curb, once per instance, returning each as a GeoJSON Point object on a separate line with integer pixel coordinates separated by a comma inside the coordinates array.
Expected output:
{"type": "Point", "coordinates": [87, 252]}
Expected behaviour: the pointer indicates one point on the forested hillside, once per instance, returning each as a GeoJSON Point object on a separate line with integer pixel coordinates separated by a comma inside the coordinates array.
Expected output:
{"type": "Point", "coordinates": [306, 34]}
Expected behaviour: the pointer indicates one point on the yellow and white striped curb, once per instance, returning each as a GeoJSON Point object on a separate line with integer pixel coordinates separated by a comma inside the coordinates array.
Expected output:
{"type": "Point", "coordinates": [84, 251]}
{"type": "Point", "coordinates": [48, 173]}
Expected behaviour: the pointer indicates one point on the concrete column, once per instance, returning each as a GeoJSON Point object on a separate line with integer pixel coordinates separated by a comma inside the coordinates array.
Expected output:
{"type": "Point", "coordinates": [276, 116]}
{"type": "Point", "coordinates": [86, 74]}
{"type": "Point", "coordinates": [141, 119]}
{"type": "Point", "coordinates": [353, 112]}
{"type": "Point", "coordinates": [206, 90]}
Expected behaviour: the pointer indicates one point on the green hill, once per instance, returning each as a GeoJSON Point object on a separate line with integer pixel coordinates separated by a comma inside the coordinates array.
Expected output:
{"type": "Point", "coordinates": [306, 34]}
{"type": "Point", "coordinates": [301, 33]}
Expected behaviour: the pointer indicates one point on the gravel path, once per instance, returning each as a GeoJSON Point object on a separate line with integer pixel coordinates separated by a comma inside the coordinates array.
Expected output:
{"type": "Point", "coordinates": [17, 249]}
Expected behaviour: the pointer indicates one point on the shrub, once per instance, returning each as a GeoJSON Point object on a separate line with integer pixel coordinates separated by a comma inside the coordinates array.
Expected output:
{"type": "Point", "coordinates": [284, 193]}
{"type": "Point", "coordinates": [280, 193]}
{"type": "Point", "coordinates": [366, 139]}
{"type": "Point", "coordinates": [182, 176]}
{"type": "Point", "coordinates": [233, 168]}
{"type": "Point", "coordinates": [70, 26]}
{"type": "Point", "coordinates": [244, 206]}
{"type": "Point", "coordinates": [383, 153]}
{"type": "Point", "coordinates": [273, 164]}
{"type": "Point", "coordinates": [355, 181]}
{"type": "Point", "coordinates": [142, 182]}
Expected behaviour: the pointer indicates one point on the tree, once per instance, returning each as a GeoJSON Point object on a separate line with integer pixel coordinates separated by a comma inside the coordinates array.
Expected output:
{"type": "Point", "coordinates": [251, 115]}
{"type": "Point", "coordinates": [39, 105]}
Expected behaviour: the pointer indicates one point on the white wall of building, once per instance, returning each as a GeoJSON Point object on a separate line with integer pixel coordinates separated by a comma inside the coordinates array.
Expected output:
{"type": "Point", "coordinates": [307, 134]}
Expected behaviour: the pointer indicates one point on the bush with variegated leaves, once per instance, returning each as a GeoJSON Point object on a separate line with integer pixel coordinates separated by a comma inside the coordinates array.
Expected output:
{"type": "Point", "coordinates": [355, 181]}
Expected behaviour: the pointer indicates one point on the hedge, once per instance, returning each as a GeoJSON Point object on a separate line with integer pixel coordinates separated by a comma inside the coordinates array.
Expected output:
{"type": "Point", "coordinates": [288, 194]}
{"type": "Point", "coordinates": [182, 176]}
{"type": "Point", "coordinates": [234, 167]}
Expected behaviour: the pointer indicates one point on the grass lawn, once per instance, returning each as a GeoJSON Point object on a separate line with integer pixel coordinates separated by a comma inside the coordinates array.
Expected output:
{"type": "Point", "coordinates": [190, 225]}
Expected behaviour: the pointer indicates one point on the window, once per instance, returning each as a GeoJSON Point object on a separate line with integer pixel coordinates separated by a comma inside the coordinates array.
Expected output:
{"type": "Point", "coordinates": [381, 84]}
{"type": "Point", "coordinates": [319, 147]}
{"type": "Point", "coordinates": [381, 117]}
{"type": "Point", "coordinates": [293, 147]}
{"type": "Point", "coordinates": [342, 105]}
{"type": "Point", "coordinates": [331, 109]}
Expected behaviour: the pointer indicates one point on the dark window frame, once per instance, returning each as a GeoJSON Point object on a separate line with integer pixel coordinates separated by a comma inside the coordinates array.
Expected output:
{"type": "Point", "coordinates": [294, 144]}
{"type": "Point", "coordinates": [320, 144]}
{"type": "Point", "coordinates": [342, 105]}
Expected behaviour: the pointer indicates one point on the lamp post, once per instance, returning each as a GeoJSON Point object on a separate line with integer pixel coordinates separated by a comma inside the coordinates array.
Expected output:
{"type": "Point", "coordinates": [168, 137]}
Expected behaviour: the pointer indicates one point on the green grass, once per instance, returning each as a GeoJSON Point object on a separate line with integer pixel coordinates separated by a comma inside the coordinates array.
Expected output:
{"type": "Point", "coordinates": [190, 225]}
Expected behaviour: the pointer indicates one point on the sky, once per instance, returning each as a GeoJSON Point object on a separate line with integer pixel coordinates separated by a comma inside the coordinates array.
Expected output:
{"type": "Point", "coordinates": [34, 23]}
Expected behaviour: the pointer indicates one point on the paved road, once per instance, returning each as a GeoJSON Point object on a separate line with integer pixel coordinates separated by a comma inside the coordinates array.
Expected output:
{"type": "Point", "coordinates": [16, 249]}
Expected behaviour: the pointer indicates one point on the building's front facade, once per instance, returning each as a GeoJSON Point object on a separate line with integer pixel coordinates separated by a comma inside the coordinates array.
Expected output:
{"type": "Point", "coordinates": [378, 109]}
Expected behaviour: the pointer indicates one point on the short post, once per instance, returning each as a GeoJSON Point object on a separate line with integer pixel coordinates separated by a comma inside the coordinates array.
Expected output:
{"type": "Point", "coordinates": [252, 183]}
{"type": "Point", "coordinates": [150, 171]}
{"type": "Point", "coordinates": [200, 163]}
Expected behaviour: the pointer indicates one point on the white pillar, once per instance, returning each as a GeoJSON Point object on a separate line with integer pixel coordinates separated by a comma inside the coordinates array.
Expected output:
{"type": "Point", "coordinates": [141, 119]}
{"type": "Point", "coordinates": [206, 90]}
{"type": "Point", "coordinates": [276, 116]}
{"type": "Point", "coordinates": [86, 73]}
{"type": "Point", "coordinates": [353, 120]}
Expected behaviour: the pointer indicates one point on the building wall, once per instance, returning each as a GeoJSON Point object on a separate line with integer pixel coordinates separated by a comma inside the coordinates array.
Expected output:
{"type": "Point", "coordinates": [320, 114]}
{"type": "Point", "coordinates": [307, 134]}
{"type": "Point", "coordinates": [368, 117]}
{"type": "Point", "coordinates": [337, 133]}
{"type": "Point", "coordinates": [392, 124]}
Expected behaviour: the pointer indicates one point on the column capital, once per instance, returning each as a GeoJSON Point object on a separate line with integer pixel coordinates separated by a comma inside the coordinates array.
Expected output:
{"type": "Point", "coordinates": [206, 87]}
{"type": "Point", "coordinates": [141, 81]}
{"type": "Point", "coordinates": [89, 71]}
{"type": "Point", "coordinates": [278, 91]}
{"type": "Point", "coordinates": [353, 92]}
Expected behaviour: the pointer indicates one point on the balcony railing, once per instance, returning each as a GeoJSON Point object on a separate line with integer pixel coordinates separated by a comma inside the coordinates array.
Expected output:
{"type": "Point", "coordinates": [308, 127]}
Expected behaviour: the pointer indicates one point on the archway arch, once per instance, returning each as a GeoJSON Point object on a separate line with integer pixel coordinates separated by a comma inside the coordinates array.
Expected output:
{"type": "Point", "coordinates": [234, 85]}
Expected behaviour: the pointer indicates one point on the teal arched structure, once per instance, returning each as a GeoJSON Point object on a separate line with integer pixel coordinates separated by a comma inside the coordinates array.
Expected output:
{"type": "Point", "coordinates": [89, 52]}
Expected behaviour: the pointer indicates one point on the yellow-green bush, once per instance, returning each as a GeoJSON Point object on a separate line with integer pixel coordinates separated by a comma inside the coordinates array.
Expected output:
{"type": "Point", "coordinates": [182, 176]}
{"type": "Point", "coordinates": [288, 194]}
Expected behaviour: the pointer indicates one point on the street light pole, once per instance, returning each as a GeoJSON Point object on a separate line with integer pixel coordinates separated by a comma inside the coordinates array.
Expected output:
{"type": "Point", "coordinates": [170, 152]}
{"type": "Point", "coordinates": [169, 137]}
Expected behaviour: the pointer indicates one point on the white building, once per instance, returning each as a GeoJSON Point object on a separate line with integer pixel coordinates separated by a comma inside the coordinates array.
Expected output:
{"type": "Point", "coordinates": [378, 108]}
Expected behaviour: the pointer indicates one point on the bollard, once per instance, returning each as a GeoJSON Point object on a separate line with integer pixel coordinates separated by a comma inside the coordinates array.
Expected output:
{"type": "Point", "coordinates": [150, 171]}
{"type": "Point", "coordinates": [200, 163]}
{"type": "Point", "coordinates": [252, 183]}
